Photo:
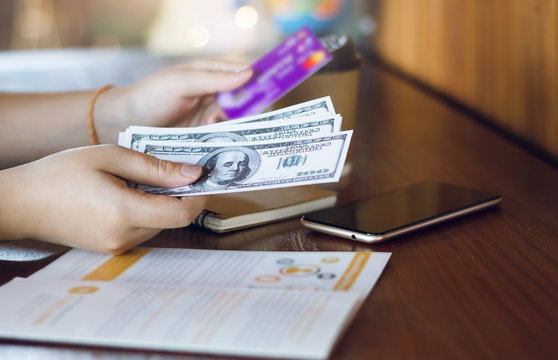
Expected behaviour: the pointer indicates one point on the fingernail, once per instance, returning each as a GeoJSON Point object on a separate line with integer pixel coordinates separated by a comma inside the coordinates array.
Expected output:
{"type": "Point", "coordinates": [190, 171]}
{"type": "Point", "coordinates": [246, 68]}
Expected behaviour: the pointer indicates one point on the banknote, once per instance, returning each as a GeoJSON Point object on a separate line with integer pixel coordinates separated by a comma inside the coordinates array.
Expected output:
{"type": "Point", "coordinates": [317, 108]}
{"type": "Point", "coordinates": [283, 129]}
{"type": "Point", "coordinates": [258, 165]}
{"type": "Point", "coordinates": [313, 108]}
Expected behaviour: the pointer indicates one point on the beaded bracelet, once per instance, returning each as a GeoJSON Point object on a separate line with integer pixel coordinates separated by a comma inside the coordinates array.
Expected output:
{"type": "Point", "coordinates": [90, 124]}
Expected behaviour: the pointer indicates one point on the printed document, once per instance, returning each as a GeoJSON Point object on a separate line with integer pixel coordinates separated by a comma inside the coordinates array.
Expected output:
{"type": "Point", "coordinates": [241, 303]}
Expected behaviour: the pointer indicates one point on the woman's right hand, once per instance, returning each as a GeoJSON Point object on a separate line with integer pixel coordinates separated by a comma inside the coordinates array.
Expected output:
{"type": "Point", "coordinates": [80, 198]}
{"type": "Point", "coordinates": [181, 95]}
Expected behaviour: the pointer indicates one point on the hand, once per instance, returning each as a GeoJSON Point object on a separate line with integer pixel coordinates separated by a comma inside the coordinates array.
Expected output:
{"type": "Point", "coordinates": [78, 198]}
{"type": "Point", "coordinates": [176, 96]}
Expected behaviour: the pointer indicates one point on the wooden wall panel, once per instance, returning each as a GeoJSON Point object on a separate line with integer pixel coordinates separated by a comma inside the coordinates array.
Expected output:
{"type": "Point", "coordinates": [498, 57]}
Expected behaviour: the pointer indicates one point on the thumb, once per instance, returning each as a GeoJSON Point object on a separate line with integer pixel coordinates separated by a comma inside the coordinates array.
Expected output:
{"type": "Point", "coordinates": [145, 169]}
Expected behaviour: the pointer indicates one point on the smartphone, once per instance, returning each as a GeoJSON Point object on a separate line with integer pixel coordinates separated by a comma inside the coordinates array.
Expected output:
{"type": "Point", "coordinates": [397, 212]}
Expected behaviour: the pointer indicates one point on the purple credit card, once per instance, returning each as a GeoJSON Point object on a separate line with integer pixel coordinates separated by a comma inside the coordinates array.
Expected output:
{"type": "Point", "coordinates": [275, 74]}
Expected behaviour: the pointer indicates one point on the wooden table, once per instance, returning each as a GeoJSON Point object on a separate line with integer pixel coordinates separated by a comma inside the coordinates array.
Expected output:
{"type": "Point", "coordinates": [484, 286]}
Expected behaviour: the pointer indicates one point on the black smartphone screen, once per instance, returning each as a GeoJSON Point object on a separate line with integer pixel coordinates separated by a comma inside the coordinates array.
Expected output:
{"type": "Point", "coordinates": [402, 208]}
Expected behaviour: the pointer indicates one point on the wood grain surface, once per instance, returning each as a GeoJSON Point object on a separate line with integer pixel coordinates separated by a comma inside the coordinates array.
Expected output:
{"type": "Point", "coordinates": [498, 57]}
{"type": "Point", "coordinates": [480, 287]}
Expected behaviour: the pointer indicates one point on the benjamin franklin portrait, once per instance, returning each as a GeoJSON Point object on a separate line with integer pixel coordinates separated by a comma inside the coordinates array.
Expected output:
{"type": "Point", "coordinates": [226, 167]}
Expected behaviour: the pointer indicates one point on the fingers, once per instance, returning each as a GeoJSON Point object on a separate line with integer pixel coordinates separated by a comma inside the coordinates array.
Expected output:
{"type": "Point", "coordinates": [207, 77]}
{"type": "Point", "coordinates": [212, 110]}
{"type": "Point", "coordinates": [147, 211]}
{"type": "Point", "coordinates": [207, 112]}
{"type": "Point", "coordinates": [165, 212]}
{"type": "Point", "coordinates": [214, 65]}
{"type": "Point", "coordinates": [208, 82]}
{"type": "Point", "coordinates": [144, 169]}
{"type": "Point", "coordinates": [152, 213]}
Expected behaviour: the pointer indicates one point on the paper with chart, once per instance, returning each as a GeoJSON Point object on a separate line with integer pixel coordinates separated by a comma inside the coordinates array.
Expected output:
{"type": "Point", "coordinates": [240, 303]}
{"type": "Point", "coordinates": [238, 322]}
{"type": "Point", "coordinates": [323, 271]}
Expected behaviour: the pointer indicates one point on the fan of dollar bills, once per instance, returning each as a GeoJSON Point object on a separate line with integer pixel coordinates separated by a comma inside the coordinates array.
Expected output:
{"type": "Point", "coordinates": [298, 145]}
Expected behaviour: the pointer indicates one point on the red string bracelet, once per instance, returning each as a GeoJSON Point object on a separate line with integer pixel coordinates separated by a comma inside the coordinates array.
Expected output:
{"type": "Point", "coordinates": [90, 124]}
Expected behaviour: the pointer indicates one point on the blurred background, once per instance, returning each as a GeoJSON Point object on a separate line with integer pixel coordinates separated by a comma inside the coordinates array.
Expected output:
{"type": "Point", "coordinates": [174, 27]}
{"type": "Point", "coordinates": [59, 45]}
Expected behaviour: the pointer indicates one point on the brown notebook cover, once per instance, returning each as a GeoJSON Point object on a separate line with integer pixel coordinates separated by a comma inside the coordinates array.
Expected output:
{"type": "Point", "coordinates": [229, 212]}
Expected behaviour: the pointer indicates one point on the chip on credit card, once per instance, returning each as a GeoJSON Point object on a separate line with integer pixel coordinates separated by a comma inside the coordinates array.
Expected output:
{"type": "Point", "coordinates": [275, 74]}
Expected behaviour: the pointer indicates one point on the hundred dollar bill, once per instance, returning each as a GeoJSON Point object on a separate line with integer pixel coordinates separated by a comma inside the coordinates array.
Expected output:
{"type": "Point", "coordinates": [271, 130]}
{"type": "Point", "coordinates": [321, 107]}
{"type": "Point", "coordinates": [122, 139]}
{"type": "Point", "coordinates": [312, 108]}
{"type": "Point", "coordinates": [252, 166]}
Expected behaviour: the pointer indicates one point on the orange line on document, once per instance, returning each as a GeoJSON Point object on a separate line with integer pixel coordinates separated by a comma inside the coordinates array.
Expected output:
{"type": "Point", "coordinates": [173, 295]}
{"type": "Point", "coordinates": [352, 272]}
{"type": "Point", "coordinates": [213, 307]}
{"type": "Point", "coordinates": [312, 317]}
{"type": "Point", "coordinates": [52, 309]}
{"type": "Point", "coordinates": [296, 330]}
{"type": "Point", "coordinates": [116, 265]}
{"type": "Point", "coordinates": [219, 315]}
{"type": "Point", "coordinates": [224, 315]}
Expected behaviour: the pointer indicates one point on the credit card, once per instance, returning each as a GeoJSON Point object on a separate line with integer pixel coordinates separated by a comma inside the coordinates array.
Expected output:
{"type": "Point", "coordinates": [275, 74]}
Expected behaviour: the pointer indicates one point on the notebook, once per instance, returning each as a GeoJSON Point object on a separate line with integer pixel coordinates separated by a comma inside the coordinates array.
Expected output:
{"type": "Point", "coordinates": [230, 212]}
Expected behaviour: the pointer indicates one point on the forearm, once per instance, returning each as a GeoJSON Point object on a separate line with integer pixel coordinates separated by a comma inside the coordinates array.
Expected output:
{"type": "Point", "coordinates": [14, 220]}
{"type": "Point", "coordinates": [36, 125]}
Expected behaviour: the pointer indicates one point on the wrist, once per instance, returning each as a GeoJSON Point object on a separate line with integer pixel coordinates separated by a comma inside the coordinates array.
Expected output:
{"type": "Point", "coordinates": [15, 220]}
{"type": "Point", "coordinates": [111, 114]}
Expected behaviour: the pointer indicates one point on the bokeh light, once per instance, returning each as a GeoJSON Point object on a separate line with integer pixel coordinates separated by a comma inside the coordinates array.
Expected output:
{"type": "Point", "coordinates": [246, 17]}
{"type": "Point", "coordinates": [197, 36]}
